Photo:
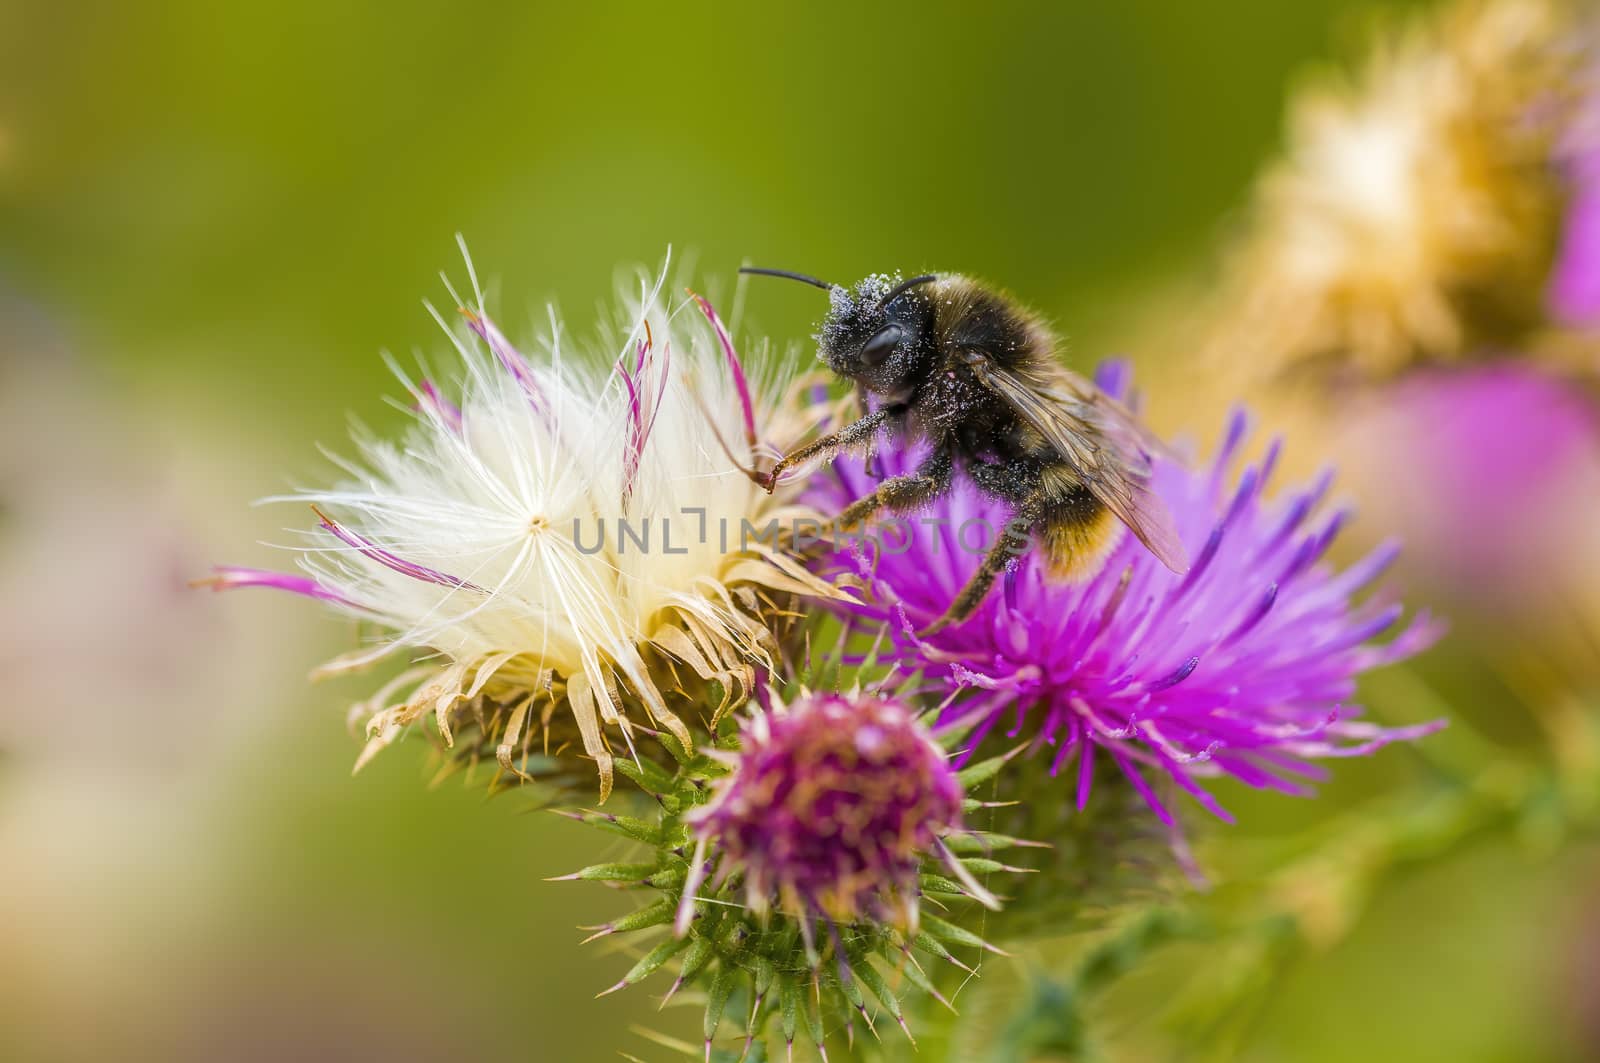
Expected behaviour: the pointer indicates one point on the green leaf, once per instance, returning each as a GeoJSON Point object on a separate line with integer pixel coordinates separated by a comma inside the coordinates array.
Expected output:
{"type": "Point", "coordinates": [656, 914]}
{"type": "Point", "coordinates": [940, 884]}
{"type": "Point", "coordinates": [975, 774]}
{"type": "Point", "coordinates": [984, 842]}
{"type": "Point", "coordinates": [717, 999]}
{"type": "Point", "coordinates": [700, 954]}
{"type": "Point", "coordinates": [954, 934]}
{"type": "Point", "coordinates": [789, 1001]}
{"type": "Point", "coordinates": [612, 873]}
{"type": "Point", "coordinates": [652, 960]}
{"type": "Point", "coordinates": [650, 776]}
{"type": "Point", "coordinates": [628, 826]}
{"type": "Point", "coordinates": [880, 988]}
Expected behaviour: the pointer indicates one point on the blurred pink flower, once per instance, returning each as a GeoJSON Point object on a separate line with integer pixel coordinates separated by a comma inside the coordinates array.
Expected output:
{"type": "Point", "coordinates": [1575, 284]}
{"type": "Point", "coordinates": [1489, 473]}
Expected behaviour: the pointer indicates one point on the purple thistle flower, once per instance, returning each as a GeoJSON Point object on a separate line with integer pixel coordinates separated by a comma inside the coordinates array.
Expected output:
{"type": "Point", "coordinates": [1244, 666]}
{"type": "Point", "coordinates": [833, 804]}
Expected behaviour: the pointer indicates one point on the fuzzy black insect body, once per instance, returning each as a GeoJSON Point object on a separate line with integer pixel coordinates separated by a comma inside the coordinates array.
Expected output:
{"type": "Point", "coordinates": [964, 367]}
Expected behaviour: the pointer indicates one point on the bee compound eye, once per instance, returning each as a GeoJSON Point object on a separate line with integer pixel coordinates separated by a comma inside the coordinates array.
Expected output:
{"type": "Point", "coordinates": [882, 342]}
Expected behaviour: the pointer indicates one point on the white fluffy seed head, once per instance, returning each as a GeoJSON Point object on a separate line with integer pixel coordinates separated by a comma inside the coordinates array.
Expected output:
{"type": "Point", "coordinates": [571, 512]}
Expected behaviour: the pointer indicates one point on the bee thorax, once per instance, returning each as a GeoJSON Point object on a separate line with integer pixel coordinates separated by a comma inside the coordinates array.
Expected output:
{"type": "Point", "coordinates": [951, 399]}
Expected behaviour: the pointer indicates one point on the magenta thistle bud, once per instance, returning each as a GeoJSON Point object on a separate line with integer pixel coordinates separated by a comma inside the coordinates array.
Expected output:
{"type": "Point", "coordinates": [832, 806]}
{"type": "Point", "coordinates": [1244, 666]}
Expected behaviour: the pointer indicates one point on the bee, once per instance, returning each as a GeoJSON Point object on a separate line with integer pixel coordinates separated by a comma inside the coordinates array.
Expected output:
{"type": "Point", "coordinates": [944, 358]}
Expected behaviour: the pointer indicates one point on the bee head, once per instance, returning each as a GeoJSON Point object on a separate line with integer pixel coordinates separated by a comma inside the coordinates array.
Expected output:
{"type": "Point", "coordinates": [878, 334]}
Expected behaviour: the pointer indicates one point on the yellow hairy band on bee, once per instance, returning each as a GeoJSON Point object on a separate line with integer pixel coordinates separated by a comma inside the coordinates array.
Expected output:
{"type": "Point", "coordinates": [1077, 532]}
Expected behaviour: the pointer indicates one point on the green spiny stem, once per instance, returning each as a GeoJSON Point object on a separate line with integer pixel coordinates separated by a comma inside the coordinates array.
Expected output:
{"type": "Point", "coordinates": [1118, 955]}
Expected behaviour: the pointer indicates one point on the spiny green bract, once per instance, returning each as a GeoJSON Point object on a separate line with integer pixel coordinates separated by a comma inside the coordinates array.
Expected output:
{"type": "Point", "coordinates": [757, 972]}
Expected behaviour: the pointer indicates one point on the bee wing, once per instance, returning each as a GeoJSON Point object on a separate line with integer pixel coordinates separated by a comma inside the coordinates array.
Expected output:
{"type": "Point", "coordinates": [1102, 441]}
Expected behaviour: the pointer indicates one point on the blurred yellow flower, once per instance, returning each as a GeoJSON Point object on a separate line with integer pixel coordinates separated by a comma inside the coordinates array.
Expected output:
{"type": "Point", "coordinates": [1413, 215]}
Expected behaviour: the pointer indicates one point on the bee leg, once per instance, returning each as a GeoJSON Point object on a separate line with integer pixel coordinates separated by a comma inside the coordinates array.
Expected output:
{"type": "Point", "coordinates": [1011, 545]}
{"type": "Point", "coordinates": [899, 493]}
{"type": "Point", "coordinates": [830, 446]}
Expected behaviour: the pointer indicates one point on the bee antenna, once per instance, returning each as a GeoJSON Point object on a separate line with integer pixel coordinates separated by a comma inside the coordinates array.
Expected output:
{"type": "Point", "coordinates": [801, 277]}
{"type": "Point", "coordinates": [903, 287]}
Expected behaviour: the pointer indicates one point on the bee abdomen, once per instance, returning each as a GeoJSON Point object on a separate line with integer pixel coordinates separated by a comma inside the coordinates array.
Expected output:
{"type": "Point", "coordinates": [1077, 531]}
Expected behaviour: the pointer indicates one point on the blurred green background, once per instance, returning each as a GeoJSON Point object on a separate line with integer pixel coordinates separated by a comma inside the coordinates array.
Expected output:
{"type": "Point", "coordinates": [213, 218]}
